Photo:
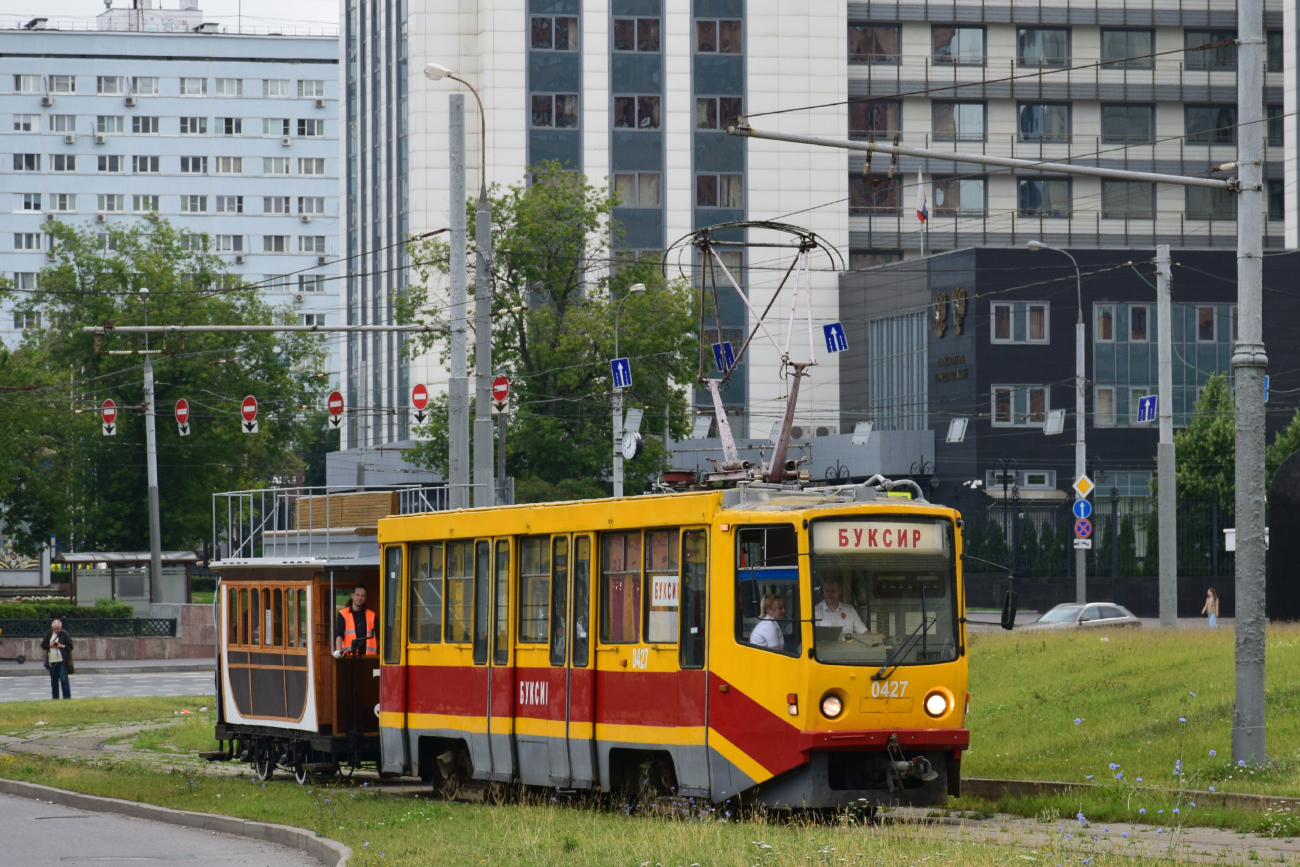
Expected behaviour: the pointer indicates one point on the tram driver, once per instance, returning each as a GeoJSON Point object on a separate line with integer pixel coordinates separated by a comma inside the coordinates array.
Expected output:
{"type": "Point", "coordinates": [831, 611]}
{"type": "Point", "coordinates": [347, 635]}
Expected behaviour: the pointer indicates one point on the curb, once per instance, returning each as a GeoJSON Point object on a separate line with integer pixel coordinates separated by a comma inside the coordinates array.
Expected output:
{"type": "Point", "coordinates": [994, 789]}
{"type": "Point", "coordinates": [329, 853]}
{"type": "Point", "coordinates": [38, 670]}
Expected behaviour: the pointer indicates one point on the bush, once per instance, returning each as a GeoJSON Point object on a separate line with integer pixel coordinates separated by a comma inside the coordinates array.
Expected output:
{"type": "Point", "coordinates": [63, 610]}
{"type": "Point", "coordinates": [203, 583]}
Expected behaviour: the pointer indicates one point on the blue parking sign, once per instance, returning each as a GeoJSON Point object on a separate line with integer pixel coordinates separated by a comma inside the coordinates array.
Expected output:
{"type": "Point", "coordinates": [835, 341]}
{"type": "Point", "coordinates": [723, 356]}
{"type": "Point", "coordinates": [621, 370]}
{"type": "Point", "coordinates": [1147, 408]}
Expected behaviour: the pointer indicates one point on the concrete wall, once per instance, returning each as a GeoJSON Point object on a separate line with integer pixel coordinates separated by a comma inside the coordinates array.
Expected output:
{"type": "Point", "coordinates": [196, 638]}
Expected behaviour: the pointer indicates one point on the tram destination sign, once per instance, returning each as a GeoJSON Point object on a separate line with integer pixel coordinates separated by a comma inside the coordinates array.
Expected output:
{"type": "Point", "coordinates": [879, 535]}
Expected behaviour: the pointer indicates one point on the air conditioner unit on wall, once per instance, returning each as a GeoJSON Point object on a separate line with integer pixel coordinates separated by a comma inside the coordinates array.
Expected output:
{"type": "Point", "coordinates": [47, 101]}
{"type": "Point", "coordinates": [320, 102]}
{"type": "Point", "coordinates": [306, 218]}
{"type": "Point", "coordinates": [286, 141]}
{"type": "Point", "coordinates": [69, 139]}
{"type": "Point", "coordinates": [49, 218]}
{"type": "Point", "coordinates": [299, 297]}
{"type": "Point", "coordinates": [99, 218]}
{"type": "Point", "coordinates": [239, 260]}
{"type": "Point", "coordinates": [320, 260]}
{"type": "Point", "coordinates": [100, 138]}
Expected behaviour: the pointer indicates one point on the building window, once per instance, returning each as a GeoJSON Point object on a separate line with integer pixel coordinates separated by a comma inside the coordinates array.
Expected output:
{"type": "Point", "coordinates": [1221, 57]}
{"type": "Point", "coordinates": [28, 162]}
{"type": "Point", "coordinates": [1211, 124]}
{"type": "Point", "coordinates": [1276, 128]}
{"type": "Point", "coordinates": [311, 282]}
{"type": "Point", "coordinates": [145, 86]}
{"type": "Point", "coordinates": [1040, 479]}
{"type": "Point", "coordinates": [1043, 46]}
{"type": "Point", "coordinates": [1105, 330]}
{"type": "Point", "coordinates": [27, 202]}
{"type": "Point", "coordinates": [275, 126]}
{"type": "Point", "coordinates": [230, 126]}
{"type": "Point", "coordinates": [636, 34]}
{"type": "Point", "coordinates": [109, 84]}
{"type": "Point", "coordinates": [194, 242]}
{"type": "Point", "coordinates": [311, 243]}
{"type": "Point", "coordinates": [275, 165]}
{"type": "Point", "coordinates": [1045, 122]}
{"type": "Point", "coordinates": [144, 165]}
{"type": "Point", "coordinates": [635, 112]}
{"type": "Point", "coordinates": [1128, 123]}
{"type": "Point", "coordinates": [876, 196]}
{"type": "Point", "coordinates": [60, 162]}
{"type": "Point", "coordinates": [1103, 406]}
{"type": "Point", "coordinates": [1135, 395]}
{"type": "Point", "coordinates": [64, 201]}
{"type": "Point", "coordinates": [873, 43]}
{"type": "Point", "coordinates": [554, 33]}
{"type": "Point", "coordinates": [1205, 325]}
{"type": "Point", "coordinates": [27, 123]}
{"type": "Point", "coordinates": [313, 318]}
{"type": "Point", "coordinates": [875, 118]}
{"type": "Point", "coordinates": [560, 111]}
{"type": "Point", "coordinates": [1020, 405]}
{"type": "Point", "coordinates": [898, 384]}
{"type": "Point", "coordinates": [963, 46]}
{"type": "Point", "coordinates": [714, 112]}
{"type": "Point", "coordinates": [311, 165]}
{"type": "Point", "coordinates": [229, 87]}
{"type": "Point", "coordinates": [277, 282]}
{"type": "Point", "coordinates": [143, 204]}
{"type": "Point", "coordinates": [113, 163]}
{"type": "Point", "coordinates": [1277, 199]}
{"type": "Point", "coordinates": [275, 243]}
{"type": "Point", "coordinates": [230, 204]}
{"type": "Point", "coordinates": [27, 84]}
{"type": "Point", "coordinates": [194, 204]}
{"type": "Point", "coordinates": [1045, 197]}
{"type": "Point", "coordinates": [27, 240]}
{"type": "Point", "coordinates": [25, 281]}
{"type": "Point", "coordinates": [144, 125]}
{"type": "Point", "coordinates": [230, 165]}
{"type": "Point", "coordinates": [308, 88]}
{"type": "Point", "coordinates": [230, 244]}
{"type": "Point", "coordinates": [1021, 322]}
{"type": "Point", "coordinates": [640, 190]}
{"type": "Point", "coordinates": [24, 319]}
{"type": "Point", "coordinates": [193, 165]}
{"type": "Point", "coordinates": [860, 260]}
{"type": "Point", "coordinates": [194, 87]}
{"type": "Point", "coordinates": [719, 191]}
{"type": "Point", "coordinates": [275, 204]}
{"type": "Point", "coordinates": [311, 128]}
{"type": "Point", "coordinates": [1275, 51]}
{"type": "Point", "coordinates": [957, 121]}
{"type": "Point", "coordinates": [194, 126]}
{"type": "Point", "coordinates": [64, 123]}
{"type": "Point", "coordinates": [275, 87]}
{"type": "Point", "coordinates": [1138, 317]}
{"type": "Point", "coordinates": [718, 37]}
{"type": "Point", "coordinates": [1208, 204]}
{"type": "Point", "coordinates": [311, 204]}
{"type": "Point", "coordinates": [1128, 200]}
{"type": "Point", "coordinates": [63, 84]}
{"type": "Point", "coordinates": [1127, 49]}
{"type": "Point", "coordinates": [960, 197]}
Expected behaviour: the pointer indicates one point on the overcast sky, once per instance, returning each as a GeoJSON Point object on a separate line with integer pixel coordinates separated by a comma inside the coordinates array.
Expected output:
{"type": "Point", "coordinates": [263, 13]}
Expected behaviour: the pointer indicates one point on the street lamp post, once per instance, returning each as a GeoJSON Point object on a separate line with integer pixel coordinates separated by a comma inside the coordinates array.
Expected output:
{"type": "Point", "coordinates": [635, 288]}
{"type": "Point", "coordinates": [1080, 440]}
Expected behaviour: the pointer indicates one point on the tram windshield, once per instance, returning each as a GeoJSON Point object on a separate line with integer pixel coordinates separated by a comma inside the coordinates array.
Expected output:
{"type": "Point", "coordinates": [884, 591]}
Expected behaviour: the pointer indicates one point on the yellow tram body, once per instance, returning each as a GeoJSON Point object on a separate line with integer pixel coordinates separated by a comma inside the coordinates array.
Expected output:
{"type": "Point", "coordinates": [609, 644]}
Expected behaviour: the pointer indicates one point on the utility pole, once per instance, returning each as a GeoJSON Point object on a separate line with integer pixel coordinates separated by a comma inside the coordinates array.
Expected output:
{"type": "Point", "coordinates": [501, 448]}
{"type": "Point", "coordinates": [1165, 470]}
{"type": "Point", "coordinates": [151, 460]}
{"type": "Point", "coordinates": [484, 491]}
{"type": "Point", "coordinates": [1248, 365]}
{"type": "Point", "coordinates": [458, 384]}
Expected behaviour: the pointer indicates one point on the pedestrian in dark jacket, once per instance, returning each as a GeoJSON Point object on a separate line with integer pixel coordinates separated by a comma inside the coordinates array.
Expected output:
{"type": "Point", "coordinates": [57, 645]}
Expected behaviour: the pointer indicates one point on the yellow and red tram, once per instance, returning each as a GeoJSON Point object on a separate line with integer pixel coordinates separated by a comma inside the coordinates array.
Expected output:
{"type": "Point", "coordinates": [610, 644]}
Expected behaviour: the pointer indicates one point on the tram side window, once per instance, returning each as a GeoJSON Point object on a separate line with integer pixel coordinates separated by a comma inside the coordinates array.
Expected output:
{"type": "Point", "coordinates": [559, 597]}
{"type": "Point", "coordinates": [255, 616]}
{"type": "Point", "coordinates": [767, 565]}
{"type": "Point", "coordinates": [460, 591]}
{"type": "Point", "coordinates": [275, 633]}
{"type": "Point", "coordinates": [291, 618]}
{"type": "Point", "coordinates": [534, 590]}
{"type": "Point", "coordinates": [664, 585]}
{"type": "Point", "coordinates": [501, 641]}
{"type": "Point", "coordinates": [302, 618]}
{"type": "Point", "coordinates": [392, 604]}
{"type": "Point", "coordinates": [694, 593]}
{"type": "Point", "coordinates": [620, 587]}
{"type": "Point", "coordinates": [232, 616]}
{"type": "Point", "coordinates": [482, 590]}
{"type": "Point", "coordinates": [426, 594]}
{"type": "Point", "coordinates": [581, 600]}
{"type": "Point", "coordinates": [243, 617]}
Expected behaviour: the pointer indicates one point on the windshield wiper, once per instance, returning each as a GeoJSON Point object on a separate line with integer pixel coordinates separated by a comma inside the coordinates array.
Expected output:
{"type": "Point", "coordinates": [903, 648]}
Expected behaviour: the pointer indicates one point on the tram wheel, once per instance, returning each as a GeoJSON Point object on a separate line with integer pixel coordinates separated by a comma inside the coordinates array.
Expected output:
{"type": "Point", "coordinates": [450, 785]}
{"type": "Point", "coordinates": [301, 774]}
{"type": "Point", "coordinates": [264, 768]}
{"type": "Point", "coordinates": [498, 793]}
{"type": "Point", "coordinates": [344, 770]}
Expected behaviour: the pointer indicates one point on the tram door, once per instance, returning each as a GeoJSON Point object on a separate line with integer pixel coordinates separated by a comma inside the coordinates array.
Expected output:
{"type": "Point", "coordinates": [573, 738]}
{"type": "Point", "coordinates": [501, 679]}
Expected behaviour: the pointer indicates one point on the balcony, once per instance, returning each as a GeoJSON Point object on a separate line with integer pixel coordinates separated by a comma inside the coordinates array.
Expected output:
{"type": "Point", "coordinates": [1109, 13]}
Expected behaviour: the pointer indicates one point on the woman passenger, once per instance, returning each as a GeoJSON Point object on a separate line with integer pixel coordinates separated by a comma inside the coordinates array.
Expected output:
{"type": "Point", "coordinates": [768, 631]}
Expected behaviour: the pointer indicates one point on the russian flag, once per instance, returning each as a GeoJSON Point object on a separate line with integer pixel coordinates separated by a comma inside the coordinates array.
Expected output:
{"type": "Point", "coordinates": [921, 211]}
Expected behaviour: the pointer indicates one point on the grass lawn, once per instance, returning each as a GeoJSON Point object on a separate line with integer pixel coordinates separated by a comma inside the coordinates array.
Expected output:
{"type": "Point", "coordinates": [18, 717]}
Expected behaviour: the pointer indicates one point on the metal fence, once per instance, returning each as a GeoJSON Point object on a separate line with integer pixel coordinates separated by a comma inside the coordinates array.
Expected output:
{"type": "Point", "coordinates": [93, 627]}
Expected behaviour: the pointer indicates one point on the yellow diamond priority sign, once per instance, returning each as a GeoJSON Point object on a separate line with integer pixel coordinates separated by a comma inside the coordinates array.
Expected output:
{"type": "Point", "coordinates": [1083, 487]}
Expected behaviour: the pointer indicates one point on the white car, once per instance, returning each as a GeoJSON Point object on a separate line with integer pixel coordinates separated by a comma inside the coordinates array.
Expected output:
{"type": "Point", "coordinates": [1093, 614]}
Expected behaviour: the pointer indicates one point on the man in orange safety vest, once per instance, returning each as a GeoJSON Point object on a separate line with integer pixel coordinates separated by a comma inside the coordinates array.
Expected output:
{"type": "Point", "coordinates": [345, 625]}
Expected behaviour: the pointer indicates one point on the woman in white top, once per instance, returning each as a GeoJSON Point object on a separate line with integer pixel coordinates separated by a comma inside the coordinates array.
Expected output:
{"type": "Point", "coordinates": [768, 631]}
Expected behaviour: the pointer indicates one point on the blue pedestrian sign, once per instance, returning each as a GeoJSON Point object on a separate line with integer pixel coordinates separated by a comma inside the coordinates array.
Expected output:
{"type": "Point", "coordinates": [723, 356]}
{"type": "Point", "coordinates": [835, 341]}
{"type": "Point", "coordinates": [1082, 508]}
{"type": "Point", "coordinates": [1266, 388]}
{"type": "Point", "coordinates": [1147, 408]}
{"type": "Point", "coordinates": [1083, 528]}
{"type": "Point", "coordinates": [621, 370]}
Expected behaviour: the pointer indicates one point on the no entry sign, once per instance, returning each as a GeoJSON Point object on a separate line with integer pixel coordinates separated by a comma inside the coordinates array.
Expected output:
{"type": "Point", "coordinates": [500, 388]}
{"type": "Point", "coordinates": [334, 403]}
{"type": "Point", "coordinates": [183, 417]}
{"type": "Point", "coordinates": [249, 412]}
{"type": "Point", "coordinates": [108, 412]}
{"type": "Point", "coordinates": [419, 400]}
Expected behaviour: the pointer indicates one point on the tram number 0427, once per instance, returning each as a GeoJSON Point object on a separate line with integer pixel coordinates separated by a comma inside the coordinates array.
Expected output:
{"type": "Point", "coordinates": [888, 688]}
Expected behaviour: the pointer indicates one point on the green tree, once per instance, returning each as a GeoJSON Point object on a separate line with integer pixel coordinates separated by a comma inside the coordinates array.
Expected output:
{"type": "Point", "coordinates": [1286, 442]}
{"type": "Point", "coordinates": [71, 481]}
{"type": "Point", "coordinates": [1206, 462]}
{"type": "Point", "coordinates": [550, 275]}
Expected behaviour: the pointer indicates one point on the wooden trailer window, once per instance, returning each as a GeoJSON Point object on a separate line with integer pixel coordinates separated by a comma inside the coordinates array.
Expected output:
{"type": "Point", "coordinates": [232, 616]}
{"type": "Point", "coordinates": [426, 594]}
{"type": "Point", "coordinates": [581, 600]}
{"type": "Point", "coordinates": [255, 616]}
{"type": "Point", "coordinates": [460, 591]}
{"type": "Point", "coordinates": [620, 587]}
{"type": "Point", "coordinates": [559, 597]}
{"type": "Point", "coordinates": [662, 587]}
{"type": "Point", "coordinates": [276, 632]}
{"type": "Point", "coordinates": [243, 617]}
{"type": "Point", "coordinates": [392, 604]}
{"type": "Point", "coordinates": [290, 618]}
{"type": "Point", "coordinates": [534, 590]}
{"type": "Point", "coordinates": [695, 592]}
{"type": "Point", "coordinates": [302, 618]}
{"type": "Point", "coordinates": [501, 642]}
{"type": "Point", "coordinates": [482, 592]}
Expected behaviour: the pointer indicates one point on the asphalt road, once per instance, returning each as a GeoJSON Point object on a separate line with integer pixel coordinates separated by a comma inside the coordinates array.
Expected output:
{"type": "Point", "coordinates": [110, 685]}
{"type": "Point", "coordinates": [38, 834]}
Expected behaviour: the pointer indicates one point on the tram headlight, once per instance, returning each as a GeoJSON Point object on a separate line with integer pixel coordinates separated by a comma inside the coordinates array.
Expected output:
{"type": "Point", "coordinates": [832, 706]}
{"type": "Point", "coordinates": [936, 703]}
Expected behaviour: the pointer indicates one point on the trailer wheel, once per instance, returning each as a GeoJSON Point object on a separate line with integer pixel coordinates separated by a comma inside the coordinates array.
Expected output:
{"type": "Point", "coordinates": [301, 774]}
{"type": "Point", "coordinates": [264, 767]}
